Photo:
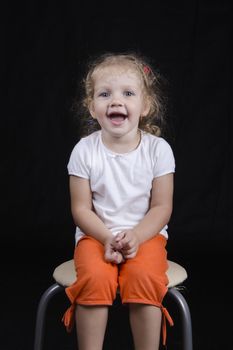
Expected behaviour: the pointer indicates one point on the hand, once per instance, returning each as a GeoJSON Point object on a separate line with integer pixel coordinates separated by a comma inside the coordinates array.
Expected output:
{"type": "Point", "coordinates": [127, 243]}
{"type": "Point", "coordinates": [111, 253]}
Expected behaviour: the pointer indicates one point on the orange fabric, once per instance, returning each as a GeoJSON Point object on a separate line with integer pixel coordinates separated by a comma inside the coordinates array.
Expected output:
{"type": "Point", "coordinates": [141, 280]}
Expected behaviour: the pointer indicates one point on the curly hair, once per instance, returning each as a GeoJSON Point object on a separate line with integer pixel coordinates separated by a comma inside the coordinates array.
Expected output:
{"type": "Point", "coordinates": [152, 80]}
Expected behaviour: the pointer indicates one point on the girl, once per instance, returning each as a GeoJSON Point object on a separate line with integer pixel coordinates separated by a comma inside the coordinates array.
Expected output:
{"type": "Point", "coordinates": [121, 187]}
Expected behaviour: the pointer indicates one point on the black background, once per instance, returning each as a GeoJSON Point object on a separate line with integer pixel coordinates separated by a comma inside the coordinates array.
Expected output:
{"type": "Point", "coordinates": [45, 44]}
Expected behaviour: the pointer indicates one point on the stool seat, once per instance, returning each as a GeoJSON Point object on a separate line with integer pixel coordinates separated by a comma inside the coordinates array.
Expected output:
{"type": "Point", "coordinates": [65, 274]}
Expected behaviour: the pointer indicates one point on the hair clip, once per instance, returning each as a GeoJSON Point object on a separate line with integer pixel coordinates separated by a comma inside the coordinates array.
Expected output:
{"type": "Point", "coordinates": [146, 69]}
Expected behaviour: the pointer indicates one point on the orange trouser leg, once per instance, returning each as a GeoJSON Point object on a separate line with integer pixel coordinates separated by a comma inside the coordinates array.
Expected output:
{"type": "Point", "coordinates": [96, 282]}
{"type": "Point", "coordinates": [143, 279]}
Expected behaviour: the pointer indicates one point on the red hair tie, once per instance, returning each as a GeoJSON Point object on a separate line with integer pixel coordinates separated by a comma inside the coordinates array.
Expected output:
{"type": "Point", "coordinates": [146, 69]}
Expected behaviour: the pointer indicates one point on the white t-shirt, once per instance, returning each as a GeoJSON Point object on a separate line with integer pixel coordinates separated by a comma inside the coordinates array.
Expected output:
{"type": "Point", "coordinates": [121, 183]}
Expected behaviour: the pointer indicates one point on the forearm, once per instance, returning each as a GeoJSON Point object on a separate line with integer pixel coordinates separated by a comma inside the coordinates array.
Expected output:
{"type": "Point", "coordinates": [153, 222]}
{"type": "Point", "coordinates": [87, 220]}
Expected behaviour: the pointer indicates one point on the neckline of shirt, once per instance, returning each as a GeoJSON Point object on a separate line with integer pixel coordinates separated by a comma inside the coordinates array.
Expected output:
{"type": "Point", "coordinates": [115, 154]}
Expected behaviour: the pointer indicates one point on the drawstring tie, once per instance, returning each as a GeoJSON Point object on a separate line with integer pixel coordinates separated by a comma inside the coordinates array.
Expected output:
{"type": "Point", "coordinates": [68, 318]}
{"type": "Point", "coordinates": [165, 317]}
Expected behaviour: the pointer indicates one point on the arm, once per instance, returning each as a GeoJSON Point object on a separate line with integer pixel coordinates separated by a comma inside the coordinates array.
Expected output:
{"type": "Point", "coordinates": [85, 217]}
{"type": "Point", "coordinates": [83, 212]}
{"type": "Point", "coordinates": [160, 208]}
{"type": "Point", "coordinates": [156, 218]}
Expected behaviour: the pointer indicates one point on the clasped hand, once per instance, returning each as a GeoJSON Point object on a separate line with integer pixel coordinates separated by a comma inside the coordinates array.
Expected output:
{"type": "Point", "coordinates": [121, 247]}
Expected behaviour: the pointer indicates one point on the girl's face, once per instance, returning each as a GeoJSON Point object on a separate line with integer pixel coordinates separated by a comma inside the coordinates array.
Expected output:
{"type": "Point", "coordinates": [118, 101]}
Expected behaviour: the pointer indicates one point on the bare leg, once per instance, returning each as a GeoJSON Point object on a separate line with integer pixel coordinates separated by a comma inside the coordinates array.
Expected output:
{"type": "Point", "coordinates": [145, 321]}
{"type": "Point", "coordinates": [91, 324]}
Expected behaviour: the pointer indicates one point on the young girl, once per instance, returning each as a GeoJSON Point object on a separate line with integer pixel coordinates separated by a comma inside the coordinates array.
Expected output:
{"type": "Point", "coordinates": [121, 187]}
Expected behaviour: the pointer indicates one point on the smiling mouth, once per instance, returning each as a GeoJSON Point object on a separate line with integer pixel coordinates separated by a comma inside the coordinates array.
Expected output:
{"type": "Point", "coordinates": [117, 118]}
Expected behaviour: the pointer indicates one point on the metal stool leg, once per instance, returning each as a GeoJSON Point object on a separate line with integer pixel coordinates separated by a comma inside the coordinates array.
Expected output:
{"type": "Point", "coordinates": [185, 317]}
{"type": "Point", "coordinates": [41, 313]}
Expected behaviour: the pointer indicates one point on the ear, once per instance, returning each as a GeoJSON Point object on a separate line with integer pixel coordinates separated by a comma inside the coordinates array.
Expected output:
{"type": "Point", "coordinates": [146, 108]}
{"type": "Point", "coordinates": [92, 110]}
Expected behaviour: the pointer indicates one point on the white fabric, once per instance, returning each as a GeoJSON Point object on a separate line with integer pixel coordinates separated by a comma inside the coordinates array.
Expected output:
{"type": "Point", "coordinates": [121, 183]}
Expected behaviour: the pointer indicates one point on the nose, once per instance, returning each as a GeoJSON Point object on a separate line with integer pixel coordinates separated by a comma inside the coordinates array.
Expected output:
{"type": "Point", "coordinates": [116, 101]}
{"type": "Point", "coordinates": [116, 104]}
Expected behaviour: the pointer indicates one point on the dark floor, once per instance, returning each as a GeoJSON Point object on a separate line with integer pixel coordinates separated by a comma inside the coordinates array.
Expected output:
{"type": "Point", "coordinates": [27, 273]}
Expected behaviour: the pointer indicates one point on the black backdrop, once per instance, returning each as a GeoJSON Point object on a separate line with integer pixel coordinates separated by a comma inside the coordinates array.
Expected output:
{"type": "Point", "coordinates": [46, 44]}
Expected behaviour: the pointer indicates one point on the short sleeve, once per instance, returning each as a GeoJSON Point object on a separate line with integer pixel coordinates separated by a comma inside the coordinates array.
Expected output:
{"type": "Point", "coordinates": [79, 162]}
{"type": "Point", "coordinates": [164, 159]}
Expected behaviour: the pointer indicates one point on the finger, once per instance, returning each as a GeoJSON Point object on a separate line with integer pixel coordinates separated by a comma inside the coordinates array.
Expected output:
{"type": "Point", "coordinates": [129, 250]}
{"type": "Point", "coordinates": [130, 256]}
{"type": "Point", "coordinates": [109, 255]}
{"type": "Point", "coordinates": [118, 258]}
{"type": "Point", "coordinates": [126, 242]}
{"type": "Point", "coordinates": [120, 236]}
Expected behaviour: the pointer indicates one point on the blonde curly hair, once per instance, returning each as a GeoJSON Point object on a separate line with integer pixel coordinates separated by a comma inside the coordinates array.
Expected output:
{"type": "Point", "coordinates": [152, 86]}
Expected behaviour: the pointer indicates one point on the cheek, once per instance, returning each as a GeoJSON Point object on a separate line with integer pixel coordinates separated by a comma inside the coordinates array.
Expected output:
{"type": "Point", "coordinates": [95, 109]}
{"type": "Point", "coordinates": [99, 105]}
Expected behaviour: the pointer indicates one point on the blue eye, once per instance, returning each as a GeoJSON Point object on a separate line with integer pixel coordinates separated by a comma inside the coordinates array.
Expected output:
{"type": "Point", "coordinates": [129, 93]}
{"type": "Point", "coordinates": [104, 94]}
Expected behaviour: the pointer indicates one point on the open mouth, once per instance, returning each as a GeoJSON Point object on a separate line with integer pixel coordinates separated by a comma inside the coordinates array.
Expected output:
{"type": "Point", "coordinates": [117, 118]}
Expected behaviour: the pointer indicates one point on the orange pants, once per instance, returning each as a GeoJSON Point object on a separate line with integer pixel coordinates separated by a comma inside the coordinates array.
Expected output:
{"type": "Point", "coordinates": [141, 279]}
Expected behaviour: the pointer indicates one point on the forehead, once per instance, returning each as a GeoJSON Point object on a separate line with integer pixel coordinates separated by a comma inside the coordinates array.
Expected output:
{"type": "Point", "coordinates": [116, 71]}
